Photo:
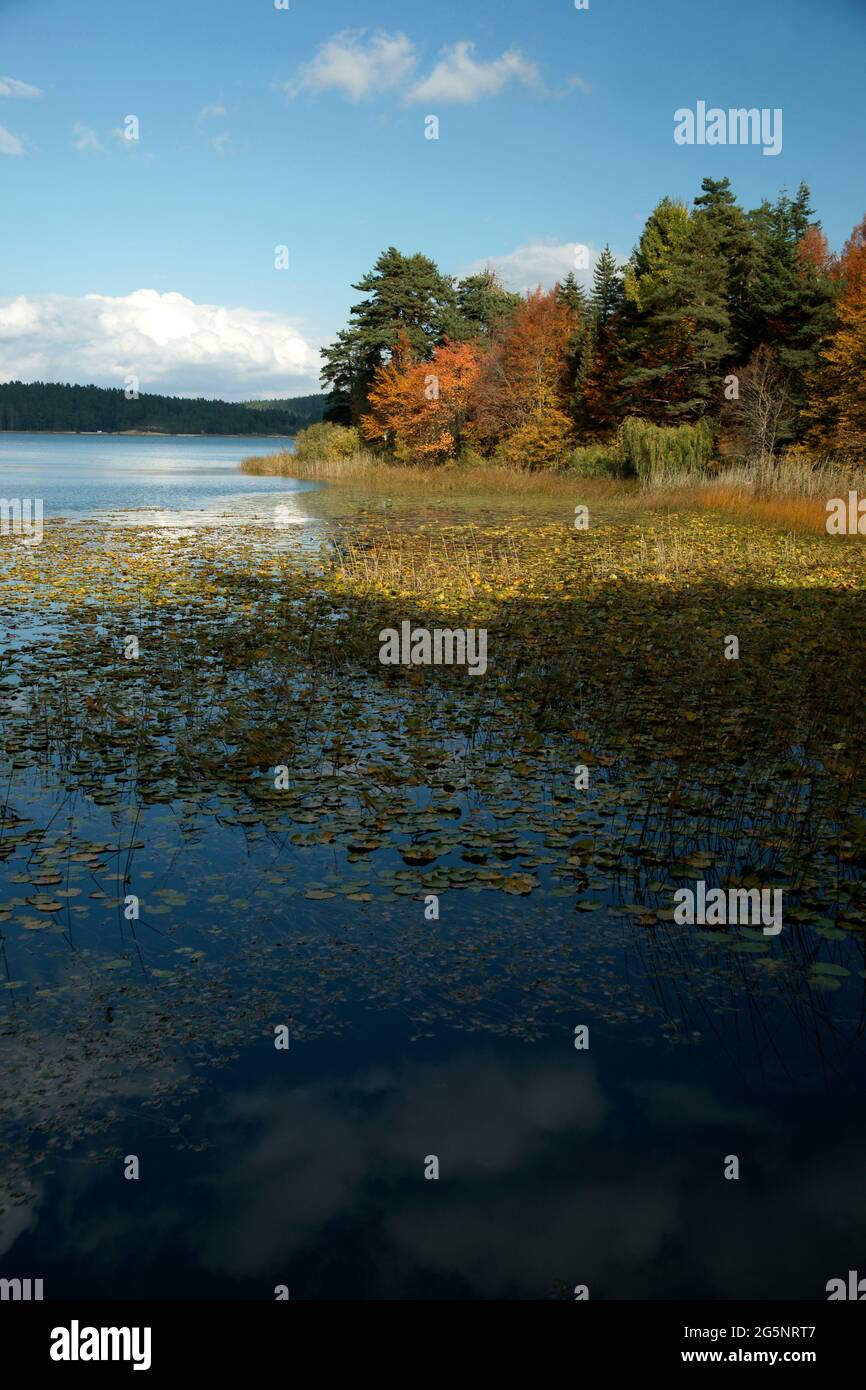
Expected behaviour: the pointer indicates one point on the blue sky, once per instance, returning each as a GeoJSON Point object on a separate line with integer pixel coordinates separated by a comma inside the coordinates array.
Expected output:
{"type": "Point", "coordinates": [305, 127]}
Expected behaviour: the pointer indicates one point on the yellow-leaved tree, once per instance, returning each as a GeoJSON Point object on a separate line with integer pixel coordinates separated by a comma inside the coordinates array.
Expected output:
{"type": "Point", "coordinates": [837, 406]}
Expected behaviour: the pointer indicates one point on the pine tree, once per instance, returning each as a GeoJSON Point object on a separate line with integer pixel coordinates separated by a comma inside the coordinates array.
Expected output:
{"type": "Point", "coordinates": [482, 303]}
{"type": "Point", "coordinates": [681, 335]}
{"type": "Point", "coordinates": [790, 297]}
{"type": "Point", "coordinates": [599, 405]}
{"type": "Point", "coordinates": [582, 341]}
{"type": "Point", "coordinates": [730, 228]}
{"type": "Point", "coordinates": [665, 231]}
{"type": "Point", "coordinates": [405, 295]}
{"type": "Point", "coordinates": [572, 294]}
{"type": "Point", "coordinates": [346, 375]}
{"type": "Point", "coordinates": [606, 298]}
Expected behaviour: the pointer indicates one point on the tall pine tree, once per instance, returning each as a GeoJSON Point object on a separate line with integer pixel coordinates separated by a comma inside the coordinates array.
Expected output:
{"type": "Point", "coordinates": [406, 295]}
{"type": "Point", "coordinates": [483, 302]}
{"type": "Point", "coordinates": [581, 344]}
{"type": "Point", "coordinates": [790, 296]}
{"type": "Point", "coordinates": [681, 335]}
{"type": "Point", "coordinates": [730, 228]}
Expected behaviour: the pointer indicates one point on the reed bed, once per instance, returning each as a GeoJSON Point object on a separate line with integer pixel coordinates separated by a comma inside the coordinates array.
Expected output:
{"type": "Point", "coordinates": [368, 468]}
{"type": "Point", "coordinates": [791, 492]}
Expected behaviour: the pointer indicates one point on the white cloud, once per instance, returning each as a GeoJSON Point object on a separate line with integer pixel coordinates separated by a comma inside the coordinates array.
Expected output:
{"type": "Point", "coordinates": [85, 138]}
{"type": "Point", "coordinates": [170, 343]}
{"type": "Point", "coordinates": [9, 143]}
{"type": "Point", "coordinates": [540, 263]}
{"type": "Point", "coordinates": [221, 143]}
{"type": "Point", "coordinates": [209, 113]}
{"type": "Point", "coordinates": [459, 77]}
{"type": "Point", "coordinates": [11, 87]}
{"type": "Point", "coordinates": [356, 66]}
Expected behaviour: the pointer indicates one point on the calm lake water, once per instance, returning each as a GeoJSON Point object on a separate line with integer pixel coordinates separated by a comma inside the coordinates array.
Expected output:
{"type": "Point", "coordinates": [409, 1038]}
{"type": "Point", "coordinates": [80, 475]}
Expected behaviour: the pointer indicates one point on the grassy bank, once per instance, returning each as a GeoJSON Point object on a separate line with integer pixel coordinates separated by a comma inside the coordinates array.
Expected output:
{"type": "Point", "coordinates": [371, 469]}
{"type": "Point", "coordinates": [791, 494]}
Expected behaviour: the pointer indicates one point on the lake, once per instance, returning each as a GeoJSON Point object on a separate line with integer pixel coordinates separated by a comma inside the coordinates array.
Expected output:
{"type": "Point", "coordinates": [323, 975]}
{"type": "Point", "coordinates": [80, 475]}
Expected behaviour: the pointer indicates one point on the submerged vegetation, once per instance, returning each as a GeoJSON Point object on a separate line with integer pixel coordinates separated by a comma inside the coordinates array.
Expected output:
{"type": "Point", "coordinates": [243, 822]}
{"type": "Point", "coordinates": [606, 650]}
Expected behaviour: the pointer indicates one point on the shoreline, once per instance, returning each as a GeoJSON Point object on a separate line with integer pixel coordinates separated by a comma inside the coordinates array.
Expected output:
{"type": "Point", "coordinates": [144, 434]}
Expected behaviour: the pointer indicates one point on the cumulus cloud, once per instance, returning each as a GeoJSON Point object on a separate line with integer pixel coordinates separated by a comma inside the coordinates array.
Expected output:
{"type": "Point", "coordinates": [170, 343]}
{"type": "Point", "coordinates": [541, 263]}
{"type": "Point", "coordinates": [11, 87]}
{"type": "Point", "coordinates": [356, 65]}
{"type": "Point", "coordinates": [459, 77]}
{"type": "Point", "coordinates": [9, 143]}
{"type": "Point", "coordinates": [86, 138]}
{"type": "Point", "coordinates": [327, 1145]}
{"type": "Point", "coordinates": [359, 64]}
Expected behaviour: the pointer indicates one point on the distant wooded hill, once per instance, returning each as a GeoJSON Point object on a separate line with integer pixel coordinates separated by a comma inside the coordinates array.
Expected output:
{"type": "Point", "coordinates": [47, 406]}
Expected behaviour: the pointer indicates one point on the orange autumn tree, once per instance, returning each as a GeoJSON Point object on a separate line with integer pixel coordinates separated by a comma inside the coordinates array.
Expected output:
{"type": "Point", "coordinates": [420, 408]}
{"type": "Point", "coordinates": [813, 250]}
{"type": "Point", "coordinates": [838, 402]}
{"type": "Point", "coordinates": [521, 398]}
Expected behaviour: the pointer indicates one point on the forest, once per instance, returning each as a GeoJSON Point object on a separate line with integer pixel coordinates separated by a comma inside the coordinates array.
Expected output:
{"type": "Point", "coordinates": [43, 405]}
{"type": "Point", "coordinates": [727, 334]}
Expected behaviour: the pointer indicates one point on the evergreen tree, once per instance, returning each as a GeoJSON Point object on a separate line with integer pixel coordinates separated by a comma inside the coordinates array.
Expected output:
{"type": "Point", "coordinates": [582, 341]}
{"type": "Point", "coordinates": [790, 296]}
{"type": "Point", "coordinates": [483, 302]}
{"type": "Point", "coordinates": [730, 228]}
{"type": "Point", "coordinates": [606, 298]}
{"type": "Point", "coordinates": [599, 405]}
{"type": "Point", "coordinates": [572, 295]}
{"type": "Point", "coordinates": [43, 405]}
{"type": "Point", "coordinates": [664, 233]}
{"type": "Point", "coordinates": [406, 295]}
{"type": "Point", "coordinates": [346, 375]}
{"type": "Point", "coordinates": [681, 336]}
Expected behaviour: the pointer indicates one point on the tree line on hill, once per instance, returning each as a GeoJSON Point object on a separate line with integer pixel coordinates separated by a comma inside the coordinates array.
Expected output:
{"type": "Point", "coordinates": [43, 405]}
{"type": "Point", "coordinates": [741, 323]}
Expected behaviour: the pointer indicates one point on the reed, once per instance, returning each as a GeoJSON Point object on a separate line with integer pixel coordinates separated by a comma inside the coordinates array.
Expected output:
{"type": "Point", "coordinates": [376, 471]}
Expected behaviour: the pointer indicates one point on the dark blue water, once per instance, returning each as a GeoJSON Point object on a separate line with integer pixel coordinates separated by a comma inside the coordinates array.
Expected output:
{"type": "Point", "coordinates": [410, 1038]}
